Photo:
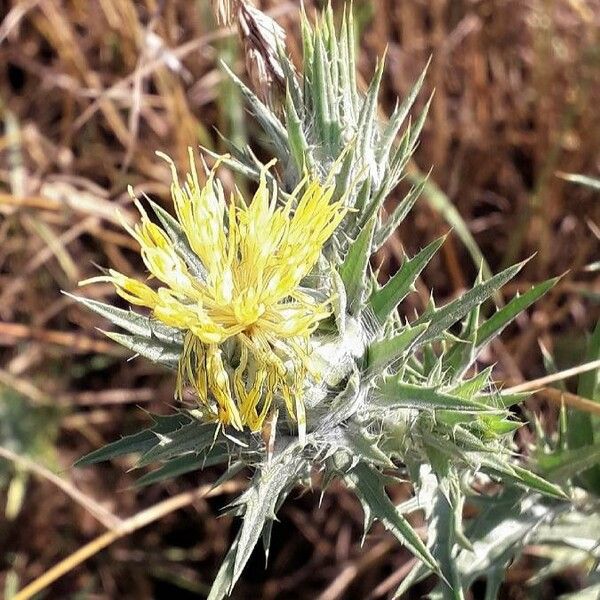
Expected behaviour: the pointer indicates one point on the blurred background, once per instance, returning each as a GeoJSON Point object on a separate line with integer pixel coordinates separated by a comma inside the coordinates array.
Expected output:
{"type": "Point", "coordinates": [89, 91]}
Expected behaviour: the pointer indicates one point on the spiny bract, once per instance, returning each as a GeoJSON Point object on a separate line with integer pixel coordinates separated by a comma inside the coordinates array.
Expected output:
{"type": "Point", "coordinates": [385, 399]}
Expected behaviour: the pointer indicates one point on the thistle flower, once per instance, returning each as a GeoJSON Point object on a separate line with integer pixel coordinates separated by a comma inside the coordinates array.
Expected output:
{"type": "Point", "coordinates": [247, 301]}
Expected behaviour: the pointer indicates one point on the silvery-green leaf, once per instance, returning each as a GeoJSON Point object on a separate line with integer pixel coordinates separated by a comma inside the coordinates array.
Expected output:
{"type": "Point", "coordinates": [443, 318]}
{"type": "Point", "coordinates": [353, 270]}
{"type": "Point", "coordinates": [277, 135]}
{"type": "Point", "coordinates": [521, 476]}
{"type": "Point", "coordinates": [369, 486]}
{"type": "Point", "coordinates": [393, 221]}
{"type": "Point", "coordinates": [442, 529]}
{"type": "Point", "coordinates": [185, 464]}
{"type": "Point", "coordinates": [224, 580]}
{"type": "Point", "coordinates": [125, 319]}
{"type": "Point", "coordinates": [194, 437]}
{"type": "Point", "coordinates": [382, 353]}
{"type": "Point", "coordinates": [498, 321]}
{"type": "Point", "coordinates": [398, 117]}
{"type": "Point", "coordinates": [396, 394]}
{"type": "Point", "coordinates": [469, 387]}
{"type": "Point", "coordinates": [367, 118]}
{"type": "Point", "coordinates": [384, 300]}
{"type": "Point", "coordinates": [270, 481]}
{"type": "Point", "coordinates": [153, 349]}
{"type": "Point", "coordinates": [299, 146]}
{"type": "Point", "coordinates": [138, 442]}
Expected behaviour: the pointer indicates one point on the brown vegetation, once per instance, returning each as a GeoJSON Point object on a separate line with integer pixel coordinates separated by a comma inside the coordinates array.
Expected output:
{"type": "Point", "coordinates": [88, 92]}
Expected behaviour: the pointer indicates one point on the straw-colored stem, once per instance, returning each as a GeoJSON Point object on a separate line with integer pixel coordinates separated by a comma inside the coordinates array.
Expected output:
{"type": "Point", "coordinates": [125, 527]}
{"type": "Point", "coordinates": [535, 384]}
{"type": "Point", "coordinates": [570, 400]}
{"type": "Point", "coordinates": [105, 517]}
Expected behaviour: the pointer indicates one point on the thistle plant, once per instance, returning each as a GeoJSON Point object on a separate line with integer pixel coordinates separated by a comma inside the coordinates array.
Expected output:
{"type": "Point", "coordinates": [297, 359]}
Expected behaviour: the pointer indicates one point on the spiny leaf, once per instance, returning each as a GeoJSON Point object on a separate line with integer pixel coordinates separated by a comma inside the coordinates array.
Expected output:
{"type": "Point", "coordinates": [443, 318]}
{"type": "Point", "coordinates": [503, 525]}
{"type": "Point", "coordinates": [455, 452]}
{"type": "Point", "coordinates": [318, 89]}
{"type": "Point", "coordinates": [346, 50]}
{"type": "Point", "coordinates": [339, 301]}
{"type": "Point", "coordinates": [343, 179]}
{"type": "Point", "coordinates": [364, 193]}
{"type": "Point", "coordinates": [125, 319]}
{"type": "Point", "coordinates": [496, 424]}
{"type": "Point", "coordinates": [266, 532]}
{"type": "Point", "coordinates": [442, 529]}
{"type": "Point", "coordinates": [369, 486]}
{"type": "Point", "coordinates": [462, 353]}
{"type": "Point", "coordinates": [138, 442]}
{"type": "Point", "coordinates": [414, 576]}
{"type": "Point", "coordinates": [458, 499]}
{"type": "Point", "coordinates": [353, 269]}
{"type": "Point", "coordinates": [353, 440]}
{"type": "Point", "coordinates": [259, 501]}
{"type": "Point", "coordinates": [193, 437]}
{"type": "Point", "coordinates": [306, 31]}
{"type": "Point", "coordinates": [154, 350]}
{"type": "Point", "coordinates": [399, 214]}
{"type": "Point", "coordinates": [383, 353]}
{"type": "Point", "coordinates": [415, 131]}
{"type": "Point", "coordinates": [223, 582]}
{"type": "Point", "coordinates": [367, 117]}
{"type": "Point", "coordinates": [185, 464]}
{"type": "Point", "coordinates": [351, 56]}
{"type": "Point", "coordinates": [345, 404]}
{"type": "Point", "coordinates": [482, 431]}
{"type": "Point", "coordinates": [470, 387]}
{"type": "Point", "coordinates": [521, 476]}
{"type": "Point", "coordinates": [362, 445]}
{"type": "Point", "coordinates": [276, 132]}
{"type": "Point", "coordinates": [332, 79]}
{"type": "Point", "coordinates": [299, 147]}
{"type": "Point", "coordinates": [510, 399]}
{"type": "Point", "coordinates": [470, 437]}
{"type": "Point", "coordinates": [384, 300]}
{"type": "Point", "coordinates": [291, 80]}
{"type": "Point", "coordinates": [569, 463]}
{"type": "Point", "coordinates": [497, 322]}
{"type": "Point", "coordinates": [391, 177]}
{"type": "Point", "coordinates": [440, 460]}
{"type": "Point", "coordinates": [395, 394]}
{"type": "Point", "coordinates": [394, 168]}
{"type": "Point", "coordinates": [399, 161]}
{"type": "Point", "coordinates": [398, 117]}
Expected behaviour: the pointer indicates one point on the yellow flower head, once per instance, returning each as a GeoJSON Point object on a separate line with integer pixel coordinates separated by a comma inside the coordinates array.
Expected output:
{"type": "Point", "coordinates": [245, 318]}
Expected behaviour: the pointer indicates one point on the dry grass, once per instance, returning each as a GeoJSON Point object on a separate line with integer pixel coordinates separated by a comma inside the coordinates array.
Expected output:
{"type": "Point", "coordinates": [88, 92]}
